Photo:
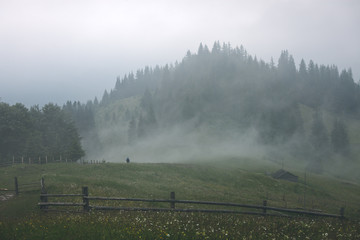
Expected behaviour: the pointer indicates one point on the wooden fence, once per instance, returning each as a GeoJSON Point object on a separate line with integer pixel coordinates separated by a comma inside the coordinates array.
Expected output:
{"type": "Point", "coordinates": [255, 209]}
{"type": "Point", "coordinates": [21, 187]}
{"type": "Point", "coordinates": [39, 160]}
{"type": "Point", "coordinates": [46, 160]}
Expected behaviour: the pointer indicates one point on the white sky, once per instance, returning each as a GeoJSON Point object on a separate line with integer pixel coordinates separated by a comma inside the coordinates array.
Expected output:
{"type": "Point", "coordinates": [58, 50]}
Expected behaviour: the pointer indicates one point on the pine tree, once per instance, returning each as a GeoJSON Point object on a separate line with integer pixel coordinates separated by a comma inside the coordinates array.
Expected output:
{"type": "Point", "coordinates": [206, 49]}
{"type": "Point", "coordinates": [96, 102]}
{"type": "Point", "coordinates": [188, 111]}
{"type": "Point", "coordinates": [132, 131]}
{"type": "Point", "coordinates": [286, 66]}
{"type": "Point", "coordinates": [118, 83]}
{"type": "Point", "coordinates": [105, 99]}
{"type": "Point", "coordinates": [319, 136]}
{"type": "Point", "coordinates": [200, 49]}
{"type": "Point", "coordinates": [302, 70]}
{"type": "Point", "coordinates": [141, 127]}
{"type": "Point", "coordinates": [151, 123]}
{"type": "Point", "coordinates": [216, 48]}
{"type": "Point", "coordinates": [320, 144]}
{"type": "Point", "coordinates": [339, 138]}
{"type": "Point", "coordinates": [146, 100]}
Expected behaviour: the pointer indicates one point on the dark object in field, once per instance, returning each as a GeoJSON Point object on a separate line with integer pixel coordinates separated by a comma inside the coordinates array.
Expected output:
{"type": "Point", "coordinates": [285, 175]}
{"type": "Point", "coordinates": [127, 160]}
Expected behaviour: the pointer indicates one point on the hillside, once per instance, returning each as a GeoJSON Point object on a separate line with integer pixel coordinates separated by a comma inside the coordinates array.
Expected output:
{"type": "Point", "coordinates": [226, 103]}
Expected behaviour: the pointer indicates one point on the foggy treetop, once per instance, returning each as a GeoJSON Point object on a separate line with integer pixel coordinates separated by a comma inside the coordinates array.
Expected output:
{"type": "Point", "coordinates": [212, 70]}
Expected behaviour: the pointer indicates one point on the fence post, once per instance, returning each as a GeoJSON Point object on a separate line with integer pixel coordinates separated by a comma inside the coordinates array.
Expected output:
{"type": "Point", "coordinates": [16, 186]}
{"type": "Point", "coordinates": [85, 192]}
{"type": "Point", "coordinates": [342, 212]}
{"type": "Point", "coordinates": [39, 160]}
{"type": "Point", "coordinates": [43, 191]}
{"type": "Point", "coordinates": [46, 159]}
{"type": "Point", "coordinates": [22, 160]}
{"type": "Point", "coordinates": [264, 204]}
{"type": "Point", "coordinates": [13, 160]}
{"type": "Point", "coordinates": [172, 197]}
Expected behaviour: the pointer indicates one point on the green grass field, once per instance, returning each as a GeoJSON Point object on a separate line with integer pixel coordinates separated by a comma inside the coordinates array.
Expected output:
{"type": "Point", "coordinates": [235, 180]}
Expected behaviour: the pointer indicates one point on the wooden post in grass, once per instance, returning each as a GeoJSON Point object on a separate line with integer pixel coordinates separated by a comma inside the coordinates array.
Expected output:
{"type": "Point", "coordinates": [16, 186]}
{"type": "Point", "coordinates": [85, 192]}
{"type": "Point", "coordinates": [22, 160]}
{"type": "Point", "coordinates": [172, 197]}
{"type": "Point", "coordinates": [39, 160]}
{"type": "Point", "coordinates": [13, 160]}
{"type": "Point", "coordinates": [264, 204]}
{"type": "Point", "coordinates": [29, 161]}
{"type": "Point", "coordinates": [342, 212]}
{"type": "Point", "coordinates": [43, 191]}
{"type": "Point", "coordinates": [46, 159]}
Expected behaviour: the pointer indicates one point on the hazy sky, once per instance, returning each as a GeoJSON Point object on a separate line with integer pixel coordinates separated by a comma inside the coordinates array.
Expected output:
{"type": "Point", "coordinates": [58, 50]}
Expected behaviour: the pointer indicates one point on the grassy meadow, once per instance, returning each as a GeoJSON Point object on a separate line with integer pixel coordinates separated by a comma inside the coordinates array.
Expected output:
{"type": "Point", "coordinates": [235, 180]}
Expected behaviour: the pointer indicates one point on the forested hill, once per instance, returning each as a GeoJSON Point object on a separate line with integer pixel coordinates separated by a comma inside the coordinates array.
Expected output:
{"type": "Point", "coordinates": [224, 69]}
{"type": "Point", "coordinates": [225, 93]}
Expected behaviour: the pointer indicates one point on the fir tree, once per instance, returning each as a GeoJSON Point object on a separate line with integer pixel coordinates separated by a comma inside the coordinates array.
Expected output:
{"type": "Point", "coordinates": [132, 131]}
{"type": "Point", "coordinates": [141, 127]}
{"type": "Point", "coordinates": [339, 138]}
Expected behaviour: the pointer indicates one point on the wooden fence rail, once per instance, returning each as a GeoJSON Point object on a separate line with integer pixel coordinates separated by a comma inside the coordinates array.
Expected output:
{"type": "Point", "coordinates": [46, 160]}
{"type": "Point", "coordinates": [264, 209]}
{"type": "Point", "coordinates": [21, 187]}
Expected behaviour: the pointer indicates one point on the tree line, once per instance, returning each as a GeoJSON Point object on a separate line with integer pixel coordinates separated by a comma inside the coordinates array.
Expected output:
{"type": "Point", "coordinates": [33, 133]}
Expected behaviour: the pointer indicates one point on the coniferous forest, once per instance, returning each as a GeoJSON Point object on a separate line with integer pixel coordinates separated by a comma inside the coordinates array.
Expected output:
{"type": "Point", "coordinates": [220, 98]}
{"type": "Point", "coordinates": [30, 134]}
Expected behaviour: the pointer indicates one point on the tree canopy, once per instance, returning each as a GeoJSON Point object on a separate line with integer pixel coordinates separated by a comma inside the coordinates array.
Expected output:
{"type": "Point", "coordinates": [37, 133]}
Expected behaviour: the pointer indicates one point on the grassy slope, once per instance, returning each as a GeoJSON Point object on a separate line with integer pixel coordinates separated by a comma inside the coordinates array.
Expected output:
{"type": "Point", "coordinates": [235, 180]}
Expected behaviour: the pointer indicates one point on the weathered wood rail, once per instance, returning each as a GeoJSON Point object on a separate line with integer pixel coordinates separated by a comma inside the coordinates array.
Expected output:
{"type": "Point", "coordinates": [45, 160]}
{"type": "Point", "coordinates": [264, 209]}
{"type": "Point", "coordinates": [23, 187]}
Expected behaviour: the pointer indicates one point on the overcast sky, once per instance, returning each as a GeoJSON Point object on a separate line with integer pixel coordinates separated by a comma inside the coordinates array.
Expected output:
{"type": "Point", "coordinates": [58, 50]}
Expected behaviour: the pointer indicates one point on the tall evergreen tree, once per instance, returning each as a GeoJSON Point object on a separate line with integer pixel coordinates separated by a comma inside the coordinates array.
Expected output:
{"type": "Point", "coordinates": [286, 66]}
{"type": "Point", "coordinates": [216, 48]}
{"type": "Point", "coordinates": [132, 131]}
{"type": "Point", "coordinates": [320, 144]}
{"type": "Point", "coordinates": [200, 49]}
{"type": "Point", "coordinates": [302, 70]}
{"type": "Point", "coordinates": [339, 138]}
{"type": "Point", "coordinates": [118, 83]}
{"type": "Point", "coordinates": [105, 99]}
{"type": "Point", "coordinates": [319, 135]}
{"type": "Point", "coordinates": [141, 127]}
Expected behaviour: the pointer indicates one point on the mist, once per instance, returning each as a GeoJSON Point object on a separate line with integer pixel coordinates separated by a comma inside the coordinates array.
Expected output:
{"type": "Point", "coordinates": [178, 145]}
